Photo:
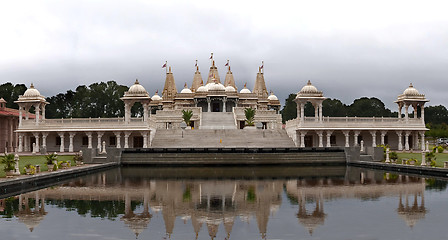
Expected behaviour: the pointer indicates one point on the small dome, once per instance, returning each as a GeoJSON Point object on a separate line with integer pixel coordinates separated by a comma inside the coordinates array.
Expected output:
{"type": "Point", "coordinates": [186, 89]}
{"type": "Point", "coordinates": [31, 92]}
{"type": "Point", "coordinates": [156, 97]}
{"type": "Point", "coordinates": [137, 88]}
{"type": "Point", "coordinates": [411, 91]}
{"type": "Point", "coordinates": [272, 97]}
{"type": "Point", "coordinates": [216, 87]}
{"type": "Point", "coordinates": [245, 90]}
{"type": "Point", "coordinates": [230, 89]}
{"type": "Point", "coordinates": [202, 89]}
{"type": "Point", "coordinates": [208, 85]}
{"type": "Point", "coordinates": [309, 88]}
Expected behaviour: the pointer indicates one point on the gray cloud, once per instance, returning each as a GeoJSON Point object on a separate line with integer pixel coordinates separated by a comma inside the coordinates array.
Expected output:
{"type": "Point", "coordinates": [347, 50]}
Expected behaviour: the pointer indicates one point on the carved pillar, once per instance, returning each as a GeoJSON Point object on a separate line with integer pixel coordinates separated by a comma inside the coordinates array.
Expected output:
{"type": "Point", "coordinates": [20, 143]}
{"type": "Point", "coordinates": [316, 112]}
{"type": "Point", "coordinates": [224, 100]}
{"type": "Point", "coordinates": [208, 104]}
{"type": "Point", "coordinates": [126, 139]}
{"type": "Point", "coordinates": [100, 135]}
{"type": "Point", "coordinates": [36, 136]}
{"type": "Point", "coordinates": [383, 134]}
{"type": "Point", "coordinates": [127, 115]}
{"type": "Point", "coordinates": [118, 136]}
{"type": "Point", "coordinates": [320, 112]}
{"type": "Point", "coordinates": [422, 113]}
{"type": "Point", "coordinates": [422, 136]}
{"type": "Point", "coordinates": [89, 140]}
{"type": "Point", "coordinates": [406, 140]}
{"type": "Point", "coordinates": [37, 113]}
{"type": "Point", "coordinates": [44, 139]}
{"type": "Point", "coordinates": [302, 112]}
{"type": "Point", "coordinates": [145, 112]}
{"type": "Point", "coordinates": [302, 138]}
{"type": "Point", "coordinates": [373, 133]}
{"type": "Point", "coordinates": [145, 138]}
{"type": "Point", "coordinates": [347, 138]}
{"type": "Point", "coordinates": [43, 112]}
{"type": "Point", "coordinates": [406, 114]}
{"type": "Point", "coordinates": [20, 116]}
{"type": "Point", "coordinates": [400, 144]}
{"type": "Point", "coordinates": [355, 135]}
{"type": "Point", "coordinates": [61, 135]}
{"type": "Point", "coordinates": [320, 134]}
{"type": "Point", "coordinates": [329, 138]}
{"type": "Point", "coordinates": [71, 135]}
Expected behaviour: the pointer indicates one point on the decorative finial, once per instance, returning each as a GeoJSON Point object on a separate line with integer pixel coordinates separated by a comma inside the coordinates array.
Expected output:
{"type": "Point", "coordinates": [309, 82]}
{"type": "Point", "coordinates": [32, 85]}
{"type": "Point", "coordinates": [228, 65]}
{"type": "Point", "coordinates": [245, 84]}
{"type": "Point", "coordinates": [170, 70]}
{"type": "Point", "coordinates": [259, 69]}
{"type": "Point", "coordinates": [136, 81]}
{"type": "Point", "coordinates": [185, 86]}
{"type": "Point", "coordinates": [202, 82]}
{"type": "Point", "coordinates": [410, 85]}
{"type": "Point", "coordinates": [157, 92]}
{"type": "Point", "coordinates": [213, 63]}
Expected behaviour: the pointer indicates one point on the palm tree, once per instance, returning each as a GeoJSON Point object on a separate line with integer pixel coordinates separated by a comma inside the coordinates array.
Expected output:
{"type": "Point", "coordinates": [8, 160]}
{"type": "Point", "coordinates": [250, 114]}
{"type": "Point", "coordinates": [186, 115]}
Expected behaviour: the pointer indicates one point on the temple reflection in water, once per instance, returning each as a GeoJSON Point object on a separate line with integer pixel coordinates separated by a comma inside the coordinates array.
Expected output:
{"type": "Point", "coordinates": [211, 203]}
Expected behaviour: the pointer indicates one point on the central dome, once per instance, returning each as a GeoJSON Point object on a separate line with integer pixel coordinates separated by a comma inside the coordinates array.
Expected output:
{"type": "Point", "coordinates": [31, 92]}
{"type": "Point", "coordinates": [156, 97]}
{"type": "Point", "coordinates": [216, 87]}
{"type": "Point", "coordinates": [230, 89]}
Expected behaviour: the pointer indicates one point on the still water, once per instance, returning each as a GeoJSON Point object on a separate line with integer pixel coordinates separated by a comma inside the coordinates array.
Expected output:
{"type": "Point", "coordinates": [232, 203]}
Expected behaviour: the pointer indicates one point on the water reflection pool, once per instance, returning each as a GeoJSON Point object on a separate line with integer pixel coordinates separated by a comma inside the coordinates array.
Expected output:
{"type": "Point", "coordinates": [232, 203]}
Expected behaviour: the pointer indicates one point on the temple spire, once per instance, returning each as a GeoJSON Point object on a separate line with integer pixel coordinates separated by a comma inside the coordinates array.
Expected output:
{"type": "Point", "coordinates": [197, 79]}
{"type": "Point", "coordinates": [260, 85]}
{"type": "Point", "coordinates": [169, 90]}
{"type": "Point", "coordinates": [229, 80]}
{"type": "Point", "coordinates": [213, 71]}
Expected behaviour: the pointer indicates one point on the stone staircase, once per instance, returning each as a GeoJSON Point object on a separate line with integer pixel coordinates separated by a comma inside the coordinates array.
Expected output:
{"type": "Point", "coordinates": [222, 138]}
{"type": "Point", "coordinates": [217, 120]}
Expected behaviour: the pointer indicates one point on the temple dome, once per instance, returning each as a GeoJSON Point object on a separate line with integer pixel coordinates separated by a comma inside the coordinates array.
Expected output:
{"type": "Point", "coordinates": [411, 91]}
{"type": "Point", "coordinates": [216, 87]}
{"type": "Point", "coordinates": [186, 89]}
{"type": "Point", "coordinates": [31, 92]}
{"type": "Point", "coordinates": [137, 88]}
{"type": "Point", "coordinates": [245, 90]}
{"type": "Point", "coordinates": [272, 97]}
{"type": "Point", "coordinates": [230, 89]}
{"type": "Point", "coordinates": [156, 97]}
{"type": "Point", "coordinates": [309, 88]}
{"type": "Point", "coordinates": [202, 89]}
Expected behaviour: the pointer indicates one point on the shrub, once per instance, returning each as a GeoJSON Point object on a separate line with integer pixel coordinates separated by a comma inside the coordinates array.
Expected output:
{"type": "Point", "coordinates": [51, 158]}
{"type": "Point", "coordinates": [8, 160]}
{"type": "Point", "coordinates": [440, 149]}
{"type": "Point", "coordinates": [393, 156]}
{"type": "Point", "coordinates": [186, 115]}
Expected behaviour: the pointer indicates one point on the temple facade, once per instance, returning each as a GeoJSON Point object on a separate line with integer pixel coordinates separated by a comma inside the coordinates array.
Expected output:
{"type": "Point", "coordinates": [400, 133]}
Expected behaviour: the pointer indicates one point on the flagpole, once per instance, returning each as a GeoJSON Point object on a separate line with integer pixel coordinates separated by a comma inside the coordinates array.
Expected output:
{"type": "Point", "coordinates": [166, 67]}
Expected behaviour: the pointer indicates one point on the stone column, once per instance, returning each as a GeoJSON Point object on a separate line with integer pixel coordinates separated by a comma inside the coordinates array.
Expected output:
{"type": "Point", "coordinates": [127, 116]}
{"type": "Point", "coordinates": [20, 143]}
{"type": "Point", "coordinates": [208, 104]}
{"type": "Point", "coordinates": [70, 145]}
{"type": "Point", "coordinates": [302, 138]}
{"type": "Point", "coordinates": [355, 135]}
{"type": "Point", "coordinates": [224, 100]}
{"type": "Point", "coordinates": [26, 143]}
{"type": "Point", "coordinates": [400, 144]}
{"type": "Point", "coordinates": [302, 112]}
{"type": "Point", "coordinates": [145, 112]}
{"type": "Point", "coordinates": [145, 138]}
{"type": "Point", "coordinates": [320, 112]}
{"type": "Point", "coordinates": [316, 112]}
{"type": "Point", "coordinates": [43, 112]}
{"type": "Point", "coordinates": [399, 111]}
{"type": "Point", "coordinates": [89, 140]}
{"type": "Point", "coordinates": [100, 135]}
{"type": "Point", "coordinates": [328, 138]}
{"type": "Point", "coordinates": [373, 133]}
{"type": "Point", "coordinates": [422, 113]}
{"type": "Point", "coordinates": [406, 140]}
{"type": "Point", "coordinates": [37, 113]}
{"type": "Point", "coordinates": [406, 114]}
{"type": "Point", "coordinates": [320, 134]}
{"type": "Point", "coordinates": [383, 134]}
{"type": "Point", "coordinates": [44, 139]}
{"type": "Point", "coordinates": [20, 116]}
{"type": "Point", "coordinates": [422, 136]}
{"type": "Point", "coordinates": [118, 136]}
{"type": "Point", "coordinates": [126, 139]}
{"type": "Point", "coordinates": [415, 136]}
{"type": "Point", "coordinates": [347, 138]}
{"type": "Point", "coordinates": [61, 135]}
{"type": "Point", "coordinates": [36, 136]}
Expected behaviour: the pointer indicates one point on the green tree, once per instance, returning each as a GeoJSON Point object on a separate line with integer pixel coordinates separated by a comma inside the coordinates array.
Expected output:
{"type": "Point", "coordinates": [11, 93]}
{"type": "Point", "coordinates": [368, 107]}
{"type": "Point", "coordinates": [436, 114]}
{"type": "Point", "coordinates": [289, 111]}
{"type": "Point", "coordinates": [334, 108]}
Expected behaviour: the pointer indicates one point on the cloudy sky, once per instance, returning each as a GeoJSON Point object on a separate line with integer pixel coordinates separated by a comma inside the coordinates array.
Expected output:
{"type": "Point", "coordinates": [347, 48]}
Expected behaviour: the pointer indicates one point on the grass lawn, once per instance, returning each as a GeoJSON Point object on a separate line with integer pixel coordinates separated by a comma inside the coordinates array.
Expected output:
{"type": "Point", "coordinates": [36, 160]}
{"type": "Point", "coordinates": [440, 157]}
